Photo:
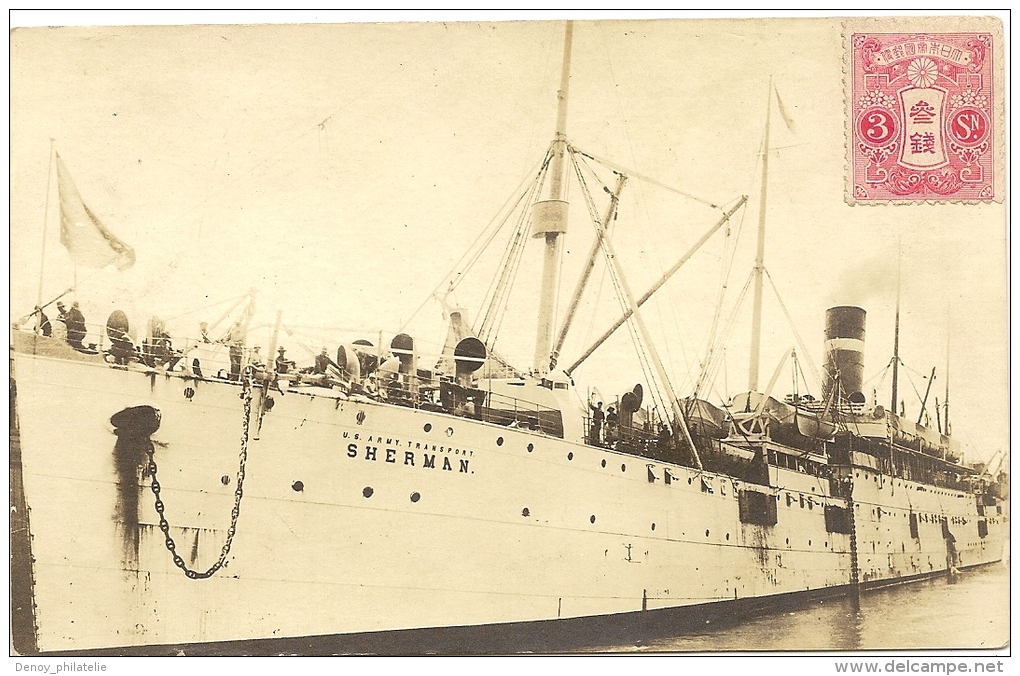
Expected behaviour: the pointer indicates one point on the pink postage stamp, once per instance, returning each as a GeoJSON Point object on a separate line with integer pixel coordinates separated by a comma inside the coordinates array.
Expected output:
{"type": "Point", "coordinates": [922, 113]}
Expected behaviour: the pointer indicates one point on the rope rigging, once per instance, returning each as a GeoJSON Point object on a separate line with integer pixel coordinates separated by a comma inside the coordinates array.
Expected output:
{"type": "Point", "coordinates": [644, 359]}
{"type": "Point", "coordinates": [456, 275]}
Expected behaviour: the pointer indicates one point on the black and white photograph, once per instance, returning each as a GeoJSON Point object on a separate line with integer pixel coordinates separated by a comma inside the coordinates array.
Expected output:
{"type": "Point", "coordinates": [453, 333]}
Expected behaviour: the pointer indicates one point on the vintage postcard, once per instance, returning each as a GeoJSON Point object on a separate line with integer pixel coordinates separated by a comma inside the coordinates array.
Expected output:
{"type": "Point", "coordinates": [476, 335]}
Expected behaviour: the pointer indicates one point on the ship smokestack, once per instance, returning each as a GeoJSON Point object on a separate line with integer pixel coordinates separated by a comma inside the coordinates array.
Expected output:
{"type": "Point", "coordinates": [844, 353]}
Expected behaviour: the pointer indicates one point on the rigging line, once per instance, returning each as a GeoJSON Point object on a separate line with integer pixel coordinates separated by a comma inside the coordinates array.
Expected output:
{"type": "Point", "coordinates": [911, 381]}
{"type": "Point", "coordinates": [496, 305]}
{"type": "Point", "coordinates": [638, 175]}
{"type": "Point", "coordinates": [881, 372]}
{"type": "Point", "coordinates": [796, 334]}
{"type": "Point", "coordinates": [498, 288]}
{"type": "Point", "coordinates": [602, 184]}
{"type": "Point", "coordinates": [207, 307]}
{"type": "Point", "coordinates": [714, 360]}
{"type": "Point", "coordinates": [583, 161]}
{"type": "Point", "coordinates": [499, 309]}
{"type": "Point", "coordinates": [726, 272]}
{"type": "Point", "coordinates": [920, 373]}
{"type": "Point", "coordinates": [453, 272]}
{"type": "Point", "coordinates": [505, 300]}
{"type": "Point", "coordinates": [626, 133]}
{"type": "Point", "coordinates": [595, 305]}
{"type": "Point", "coordinates": [497, 285]}
{"type": "Point", "coordinates": [719, 355]}
{"type": "Point", "coordinates": [539, 179]}
{"type": "Point", "coordinates": [713, 355]}
{"type": "Point", "coordinates": [643, 357]}
{"type": "Point", "coordinates": [459, 275]}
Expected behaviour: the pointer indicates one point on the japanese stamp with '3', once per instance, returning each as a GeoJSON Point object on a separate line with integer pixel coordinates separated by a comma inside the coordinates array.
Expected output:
{"type": "Point", "coordinates": [923, 113]}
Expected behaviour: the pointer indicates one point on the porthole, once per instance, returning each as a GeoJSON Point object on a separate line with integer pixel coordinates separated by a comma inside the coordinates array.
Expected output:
{"type": "Point", "coordinates": [416, 496]}
{"type": "Point", "coordinates": [809, 543]}
{"type": "Point", "coordinates": [224, 479]}
{"type": "Point", "coordinates": [653, 526]}
{"type": "Point", "coordinates": [787, 540]}
{"type": "Point", "coordinates": [525, 512]}
{"type": "Point", "coordinates": [689, 481]}
{"type": "Point", "coordinates": [189, 392]}
{"type": "Point", "coordinates": [727, 536]}
{"type": "Point", "coordinates": [570, 456]}
{"type": "Point", "coordinates": [826, 543]}
{"type": "Point", "coordinates": [499, 441]}
{"type": "Point", "coordinates": [592, 518]}
{"type": "Point", "coordinates": [603, 462]}
{"type": "Point", "coordinates": [706, 532]}
{"type": "Point", "coordinates": [297, 486]}
{"type": "Point", "coordinates": [531, 447]}
{"type": "Point", "coordinates": [428, 427]}
{"type": "Point", "coordinates": [449, 431]}
{"type": "Point", "coordinates": [623, 468]}
{"type": "Point", "coordinates": [368, 491]}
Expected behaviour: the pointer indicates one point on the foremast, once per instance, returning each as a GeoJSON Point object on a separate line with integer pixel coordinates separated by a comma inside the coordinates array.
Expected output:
{"type": "Point", "coordinates": [550, 219]}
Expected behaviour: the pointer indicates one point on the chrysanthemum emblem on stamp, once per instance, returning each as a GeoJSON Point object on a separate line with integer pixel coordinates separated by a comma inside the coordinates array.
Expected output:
{"type": "Point", "coordinates": [921, 115]}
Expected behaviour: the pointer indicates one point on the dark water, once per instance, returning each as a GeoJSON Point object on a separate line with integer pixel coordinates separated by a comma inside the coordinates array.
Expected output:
{"type": "Point", "coordinates": [972, 612]}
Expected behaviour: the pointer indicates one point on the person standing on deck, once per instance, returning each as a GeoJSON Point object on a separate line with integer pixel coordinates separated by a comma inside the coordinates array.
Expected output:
{"type": "Point", "coordinates": [75, 327]}
{"type": "Point", "coordinates": [283, 365]}
{"type": "Point", "coordinates": [597, 417]}
{"type": "Point", "coordinates": [43, 326]}
{"type": "Point", "coordinates": [322, 362]}
{"type": "Point", "coordinates": [612, 420]}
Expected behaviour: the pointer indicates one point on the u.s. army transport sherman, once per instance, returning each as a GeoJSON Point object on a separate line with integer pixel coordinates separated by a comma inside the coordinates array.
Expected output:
{"type": "Point", "coordinates": [209, 503]}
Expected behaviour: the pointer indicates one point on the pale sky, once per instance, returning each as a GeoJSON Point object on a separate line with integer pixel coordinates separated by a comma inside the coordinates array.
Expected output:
{"type": "Point", "coordinates": [343, 169]}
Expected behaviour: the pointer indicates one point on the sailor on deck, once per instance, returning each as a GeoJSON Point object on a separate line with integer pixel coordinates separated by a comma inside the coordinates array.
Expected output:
{"type": "Point", "coordinates": [612, 421]}
{"type": "Point", "coordinates": [75, 321]}
{"type": "Point", "coordinates": [322, 362]}
{"type": "Point", "coordinates": [597, 418]}
{"type": "Point", "coordinates": [43, 326]}
{"type": "Point", "coordinates": [284, 365]}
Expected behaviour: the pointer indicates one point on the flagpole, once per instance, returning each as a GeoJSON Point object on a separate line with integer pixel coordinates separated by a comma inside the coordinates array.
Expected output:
{"type": "Point", "coordinates": [46, 220]}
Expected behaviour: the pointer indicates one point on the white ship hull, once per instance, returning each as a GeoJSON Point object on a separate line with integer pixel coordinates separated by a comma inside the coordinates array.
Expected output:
{"type": "Point", "coordinates": [404, 519]}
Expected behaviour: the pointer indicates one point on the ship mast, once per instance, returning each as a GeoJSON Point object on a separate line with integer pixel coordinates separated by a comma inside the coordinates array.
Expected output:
{"type": "Point", "coordinates": [896, 348]}
{"type": "Point", "coordinates": [46, 219]}
{"type": "Point", "coordinates": [945, 403]}
{"type": "Point", "coordinates": [759, 259]}
{"type": "Point", "coordinates": [550, 219]}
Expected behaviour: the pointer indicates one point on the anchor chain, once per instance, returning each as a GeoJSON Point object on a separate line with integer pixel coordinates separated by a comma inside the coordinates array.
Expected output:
{"type": "Point", "coordinates": [854, 562]}
{"type": "Point", "coordinates": [164, 526]}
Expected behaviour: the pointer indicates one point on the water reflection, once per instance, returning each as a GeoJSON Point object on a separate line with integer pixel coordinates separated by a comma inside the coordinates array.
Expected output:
{"type": "Point", "coordinates": [971, 612]}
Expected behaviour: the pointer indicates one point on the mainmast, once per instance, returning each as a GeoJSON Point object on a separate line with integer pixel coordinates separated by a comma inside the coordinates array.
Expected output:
{"type": "Point", "coordinates": [759, 259]}
{"type": "Point", "coordinates": [895, 408]}
{"type": "Point", "coordinates": [549, 219]}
